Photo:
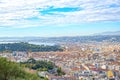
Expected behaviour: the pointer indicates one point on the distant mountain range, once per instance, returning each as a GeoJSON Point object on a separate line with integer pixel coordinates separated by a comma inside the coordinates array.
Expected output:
{"type": "Point", "coordinates": [109, 33]}
{"type": "Point", "coordinates": [81, 39]}
{"type": "Point", "coordinates": [105, 36]}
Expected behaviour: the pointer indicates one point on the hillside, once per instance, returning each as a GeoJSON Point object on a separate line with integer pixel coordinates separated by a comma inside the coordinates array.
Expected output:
{"type": "Point", "coordinates": [13, 71]}
{"type": "Point", "coordinates": [28, 47]}
{"type": "Point", "coordinates": [74, 39]}
{"type": "Point", "coordinates": [110, 33]}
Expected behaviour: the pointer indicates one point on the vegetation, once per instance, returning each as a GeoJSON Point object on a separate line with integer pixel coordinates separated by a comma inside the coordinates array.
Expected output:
{"type": "Point", "coordinates": [28, 47]}
{"type": "Point", "coordinates": [43, 66]}
{"type": "Point", "coordinates": [60, 72]}
{"type": "Point", "coordinates": [38, 65]}
{"type": "Point", "coordinates": [15, 71]}
{"type": "Point", "coordinates": [12, 71]}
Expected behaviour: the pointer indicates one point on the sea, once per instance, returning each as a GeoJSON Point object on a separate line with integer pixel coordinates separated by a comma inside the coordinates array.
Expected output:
{"type": "Point", "coordinates": [36, 43]}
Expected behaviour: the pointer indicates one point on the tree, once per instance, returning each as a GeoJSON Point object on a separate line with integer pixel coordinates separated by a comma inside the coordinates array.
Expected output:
{"type": "Point", "coordinates": [28, 47]}
{"type": "Point", "coordinates": [12, 71]}
{"type": "Point", "coordinates": [60, 72]}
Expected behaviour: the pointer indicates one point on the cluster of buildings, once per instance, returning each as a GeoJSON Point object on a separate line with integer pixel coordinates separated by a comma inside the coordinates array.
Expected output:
{"type": "Point", "coordinates": [86, 63]}
{"type": "Point", "coordinates": [16, 56]}
{"type": "Point", "coordinates": [95, 66]}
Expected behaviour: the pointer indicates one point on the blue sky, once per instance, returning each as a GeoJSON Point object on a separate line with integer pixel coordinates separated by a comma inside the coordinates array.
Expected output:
{"type": "Point", "coordinates": [49, 18]}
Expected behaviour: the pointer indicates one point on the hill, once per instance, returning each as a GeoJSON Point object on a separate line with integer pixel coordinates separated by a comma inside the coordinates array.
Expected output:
{"type": "Point", "coordinates": [110, 33]}
{"type": "Point", "coordinates": [13, 71]}
{"type": "Point", "coordinates": [28, 47]}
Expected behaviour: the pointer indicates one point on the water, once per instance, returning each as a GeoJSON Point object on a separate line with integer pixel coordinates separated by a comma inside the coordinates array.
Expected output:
{"type": "Point", "coordinates": [36, 43]}
{"type": "Point", "coordinates": [3, 42]}
{"type": "Point", "coordinates": [42, 43]}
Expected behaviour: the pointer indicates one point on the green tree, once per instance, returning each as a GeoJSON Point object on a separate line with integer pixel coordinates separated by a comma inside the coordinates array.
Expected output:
{"type": "Point", "coordinates": [60, 72]}
{"type": "Point", "coordinates": [12, 71]}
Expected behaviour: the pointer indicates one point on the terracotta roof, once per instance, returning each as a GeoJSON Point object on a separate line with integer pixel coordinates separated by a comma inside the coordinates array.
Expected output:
{"type": "Point", "coordinates": [75, 69]}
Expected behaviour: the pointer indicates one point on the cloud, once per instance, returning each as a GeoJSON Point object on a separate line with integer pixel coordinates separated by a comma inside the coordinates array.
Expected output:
{"type": "Point", "coordinates": [35, 13]}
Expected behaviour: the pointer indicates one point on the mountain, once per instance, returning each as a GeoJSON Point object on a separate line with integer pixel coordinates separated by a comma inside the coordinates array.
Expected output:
{"type": "Point", "coordinates": [106, 36]}
{"type": "Point", "coordinates": [110, 33]}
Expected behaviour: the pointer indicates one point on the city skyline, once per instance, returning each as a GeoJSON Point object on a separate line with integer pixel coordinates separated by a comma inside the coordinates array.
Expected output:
{"type": "Point", "coordinates": [44, 18]}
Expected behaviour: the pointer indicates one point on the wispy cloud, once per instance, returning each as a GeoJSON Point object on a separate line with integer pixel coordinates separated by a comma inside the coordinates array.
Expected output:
{"type": "Point", "coordinates": [35, 13]}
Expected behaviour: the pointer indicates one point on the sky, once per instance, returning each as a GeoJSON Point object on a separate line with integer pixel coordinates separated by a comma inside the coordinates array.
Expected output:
{"type": "Point", "coordinates": [54, 18]}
